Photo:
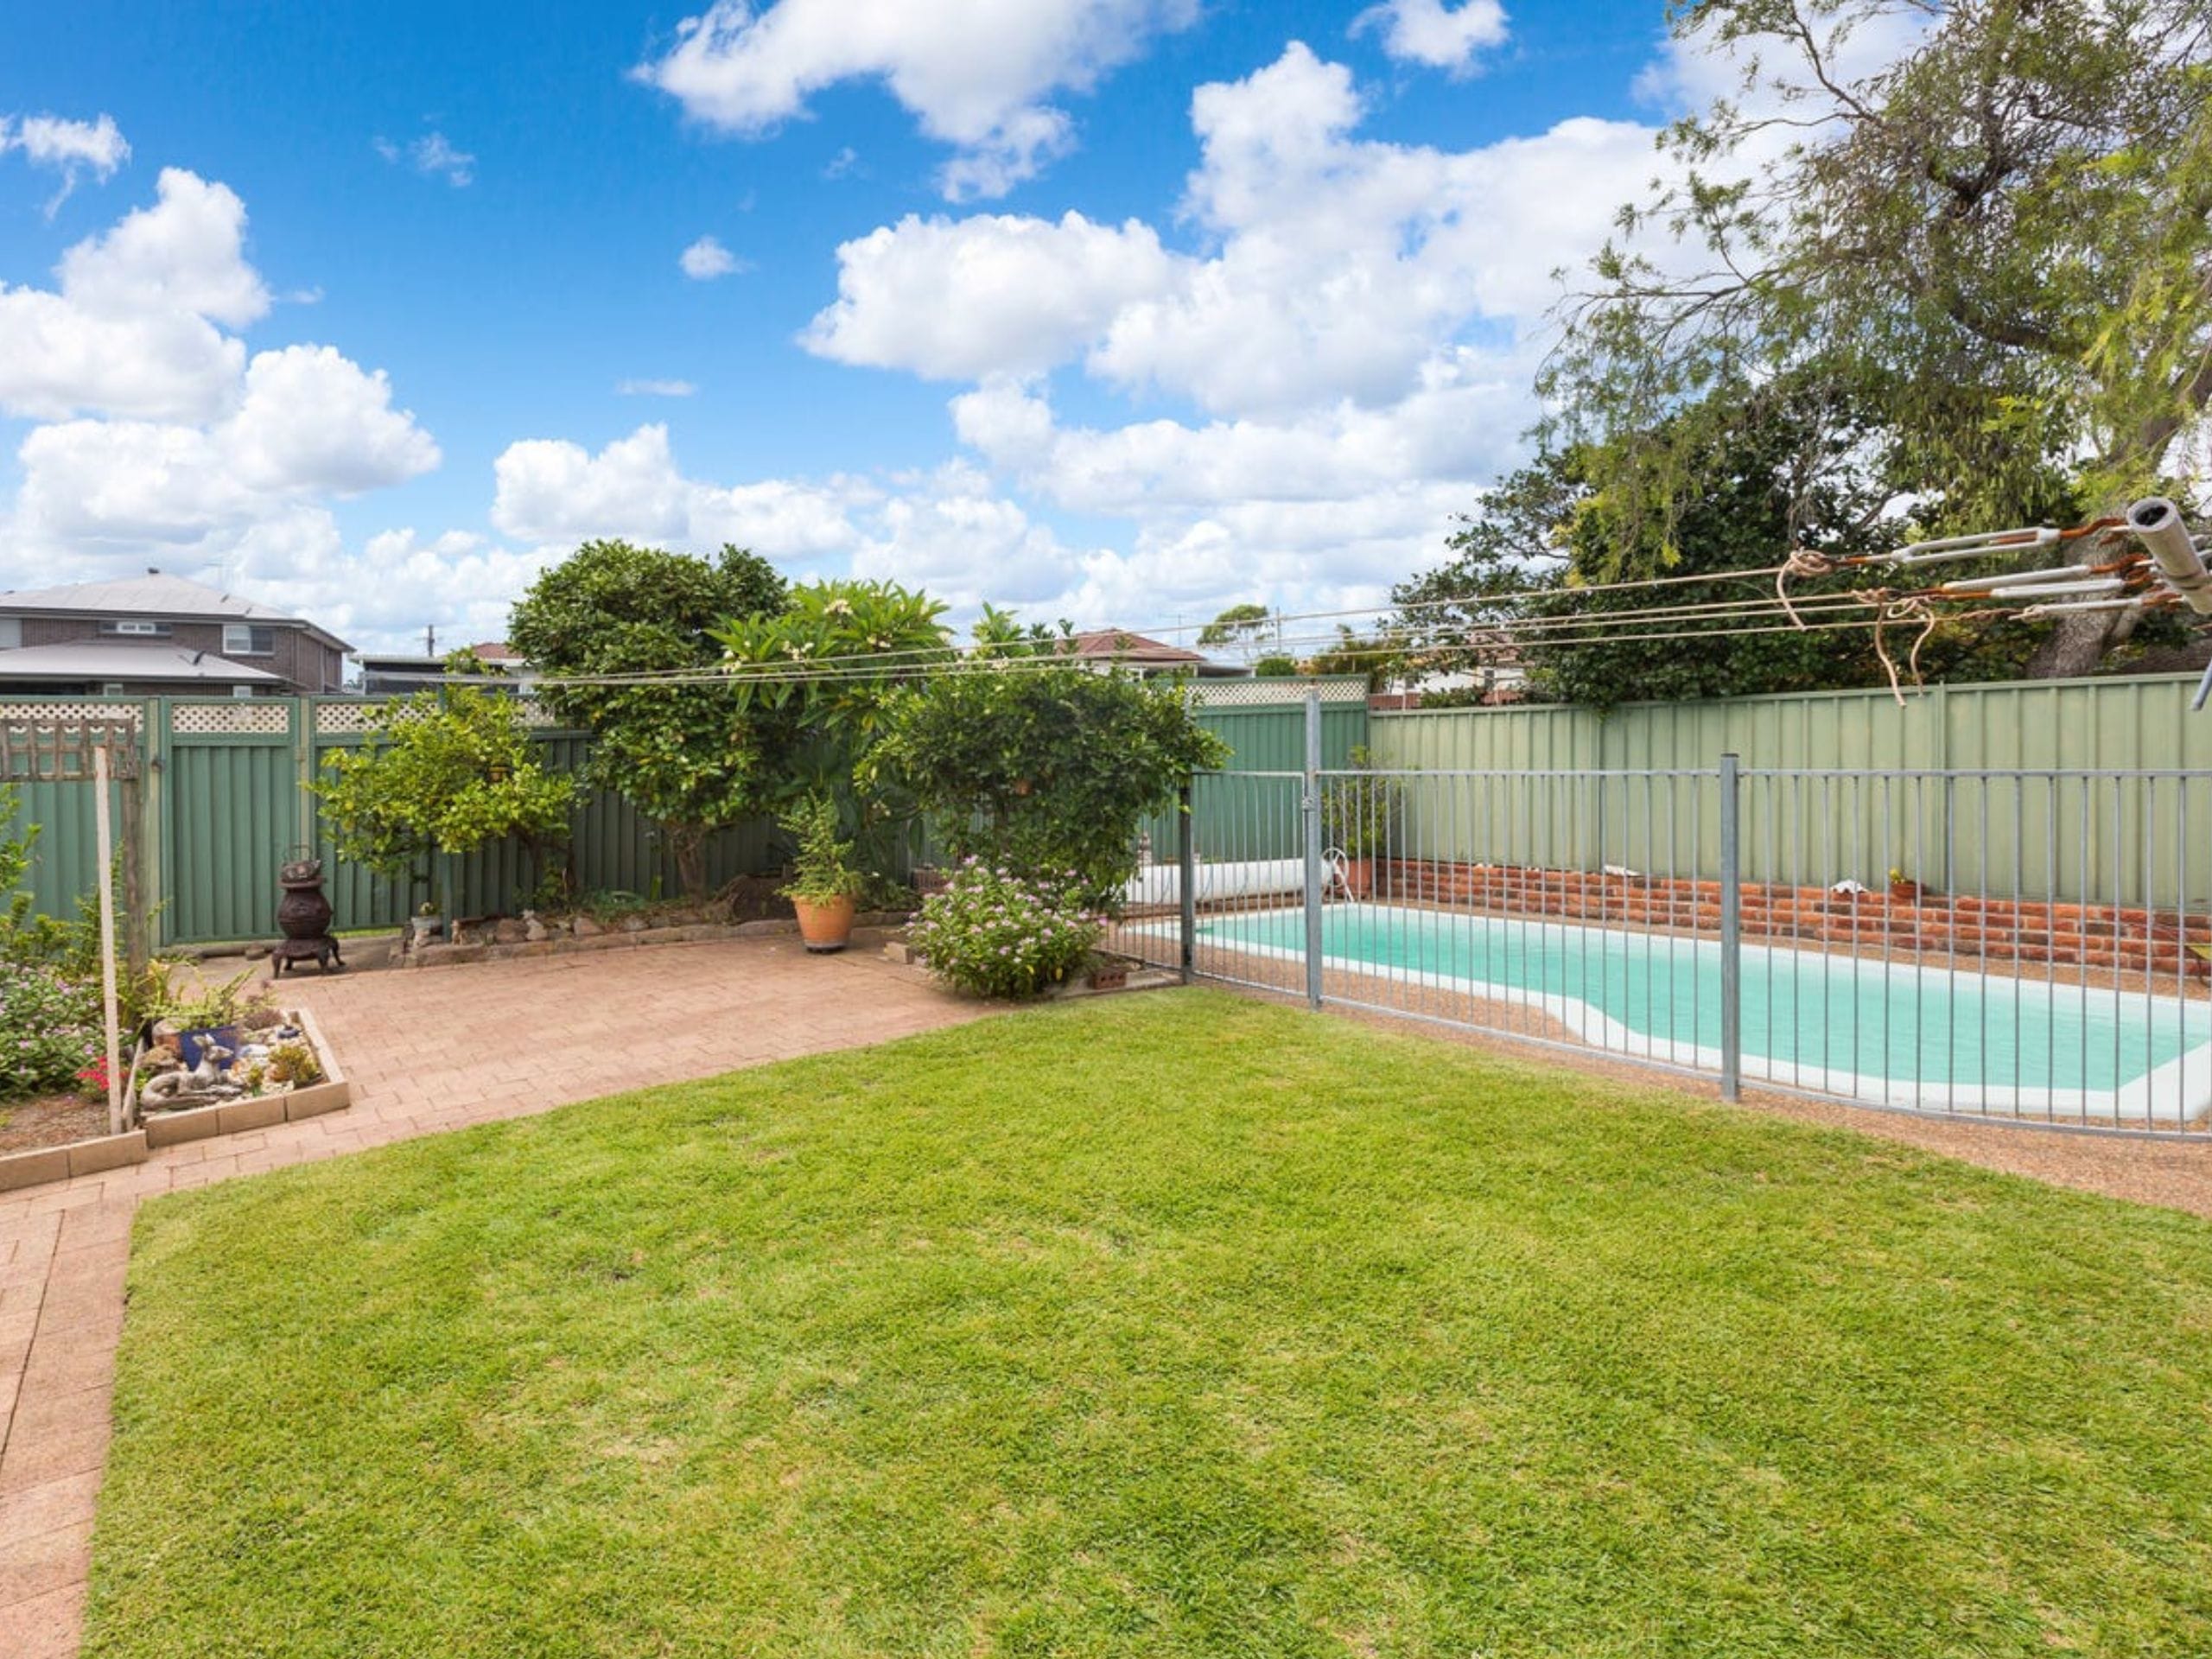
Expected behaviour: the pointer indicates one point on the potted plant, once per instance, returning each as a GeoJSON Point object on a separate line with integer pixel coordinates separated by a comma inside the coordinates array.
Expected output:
{"type": "Point", "coordinates": [427, 924]}
{"type": "Point", "coordinates": [1903, 888]}
{"type": "Point", "coordinates": [824, 888]}
{"type": "Point", "coordinates": [1359, 809]}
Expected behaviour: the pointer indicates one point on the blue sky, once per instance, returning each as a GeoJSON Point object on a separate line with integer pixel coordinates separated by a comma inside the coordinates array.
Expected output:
{"type": "Point", "coordinates": [1288, 332]}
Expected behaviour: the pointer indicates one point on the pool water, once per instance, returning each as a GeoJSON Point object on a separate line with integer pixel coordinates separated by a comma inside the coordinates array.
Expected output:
{"type": "Point", "coordinates": [1907, 1035]}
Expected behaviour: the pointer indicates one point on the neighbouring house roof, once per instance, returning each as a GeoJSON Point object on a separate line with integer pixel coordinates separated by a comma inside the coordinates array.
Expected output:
{"type": "Point", "coordinates": [125, 661]}
{"type": "Point", "coordinates": [498, 651]}
{"type": "Point", "coordinates": [1118, 644]}
{"type": "Point", "coordinates": [156, 594]}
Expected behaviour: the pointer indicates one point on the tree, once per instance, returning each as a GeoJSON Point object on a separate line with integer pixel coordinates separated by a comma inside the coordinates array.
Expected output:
{"type": "Point", "coordinates": [1998, 244]}
{"type": "Point", "coordinates": [442, 771]}
{"type": "Point", "coordinates": [687, 755]}
{"type": "Point", "coordinates": [816, 679]}
{"type": "Point", "coordinates": [1382, 657]}
{"type": "Point", "coordinates": [1045, 769]}
{"type": "Point", "coordinates": [1250, 630]}
{"type": "Point", "coordinates": [1526, 583]}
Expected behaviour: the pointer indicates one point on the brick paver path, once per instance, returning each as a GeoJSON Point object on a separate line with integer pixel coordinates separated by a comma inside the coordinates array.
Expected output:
{"type": "Point", "coordinates": [425, 1052]}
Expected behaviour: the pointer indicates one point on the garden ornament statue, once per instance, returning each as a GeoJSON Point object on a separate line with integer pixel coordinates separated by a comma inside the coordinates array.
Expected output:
{"type": "Point", "coordinates": [181, 1087]}
{"type": "Point", "coordinates": [304, 915]}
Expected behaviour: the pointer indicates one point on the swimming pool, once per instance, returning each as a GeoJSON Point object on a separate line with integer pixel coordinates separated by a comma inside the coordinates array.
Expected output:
{"type": "Point", "coordinates": [1896, 1033]}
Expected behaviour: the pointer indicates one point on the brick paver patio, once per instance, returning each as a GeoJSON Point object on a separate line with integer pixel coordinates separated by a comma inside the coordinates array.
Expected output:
{"type": "Point", "coordinates": [425, 1052]}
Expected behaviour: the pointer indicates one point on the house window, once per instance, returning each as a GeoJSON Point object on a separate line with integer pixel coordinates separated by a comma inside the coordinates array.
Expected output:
{"type": "Point", "coordinates": [131, 627]}
{"type": "Point", "coordinates": [112, 689]}
{"type": "Point", "coordinates": [241, 639]}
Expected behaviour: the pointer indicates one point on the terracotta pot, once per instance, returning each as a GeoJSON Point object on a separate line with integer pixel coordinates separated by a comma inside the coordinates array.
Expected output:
{"type": "Point", "coordinates": [1359, 877]}
{"type": "Point", "coordinates": [826, 927]}
{"type": "Point", "coordinates": [1905, 893]}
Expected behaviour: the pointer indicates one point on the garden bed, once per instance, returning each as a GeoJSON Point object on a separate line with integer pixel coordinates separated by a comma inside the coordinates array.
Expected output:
{"type": "Point", "coordinates": [68, 1136]}
{"type": "Point", "coordinates": [50, 1121]}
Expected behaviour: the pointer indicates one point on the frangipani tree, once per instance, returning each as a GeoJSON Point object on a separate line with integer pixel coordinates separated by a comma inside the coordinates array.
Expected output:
{"type": "Point", "coordinates": [817, 678]}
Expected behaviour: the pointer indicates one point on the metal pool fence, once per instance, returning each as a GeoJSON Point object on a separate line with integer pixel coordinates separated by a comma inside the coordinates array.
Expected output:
{"type": "Point", "coordinates": [2021, 946]}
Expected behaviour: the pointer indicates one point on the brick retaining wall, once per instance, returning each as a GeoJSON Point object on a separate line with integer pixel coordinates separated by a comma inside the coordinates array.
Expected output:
{"type": "Point", "coordinates": [2089, 935]}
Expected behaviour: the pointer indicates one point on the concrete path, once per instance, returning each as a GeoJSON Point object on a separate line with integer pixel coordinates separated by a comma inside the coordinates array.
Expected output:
{"type": "Point", "coordinates": [425, 1051]}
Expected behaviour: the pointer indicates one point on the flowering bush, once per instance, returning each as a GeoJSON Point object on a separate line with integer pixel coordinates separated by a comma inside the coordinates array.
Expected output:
{"type": "Point", "coordinates": [999, 934]}
{"type": "Point", "coordinates": [49, 1029]}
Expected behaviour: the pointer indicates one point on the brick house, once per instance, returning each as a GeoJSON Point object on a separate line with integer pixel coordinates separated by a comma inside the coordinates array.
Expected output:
{"type": "Point", "coordinates": [159, 634]}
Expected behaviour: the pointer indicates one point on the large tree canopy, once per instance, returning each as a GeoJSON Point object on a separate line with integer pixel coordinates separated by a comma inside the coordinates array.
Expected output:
{"type": "Point", "coordinates": [1997, 244]}
{"type": "Point", "coordinates": [1526, 584]}
{"type": "Point", "coordinates": [685, 755]}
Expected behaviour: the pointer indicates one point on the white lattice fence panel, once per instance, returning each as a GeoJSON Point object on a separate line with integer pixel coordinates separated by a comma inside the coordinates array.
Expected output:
{"type": "Point", "coordinates": [238, 718]}
{"type": "Point", "coordinates": [1276, 693]}
{"type": "Point", "coordinates": [344, 719]}
{"type": "Point", "coordinates": [70, 714]}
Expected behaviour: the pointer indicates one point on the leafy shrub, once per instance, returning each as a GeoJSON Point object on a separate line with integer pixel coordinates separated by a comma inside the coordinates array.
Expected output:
{"type": "Point", "coordinates": [999, 934]}
{"type": "Point", "coordinates": [1046, 768]}
{"type": "Point", "coordinates": [49, 1029]}
{"type": "Point", "coordinates": [442, 771]}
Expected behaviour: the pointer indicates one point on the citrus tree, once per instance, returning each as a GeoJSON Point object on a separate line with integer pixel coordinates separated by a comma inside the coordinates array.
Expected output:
{"type": "Point", "coordinates": [442, 771]}
{"type": "Point", "coordinates": [1047, 769]}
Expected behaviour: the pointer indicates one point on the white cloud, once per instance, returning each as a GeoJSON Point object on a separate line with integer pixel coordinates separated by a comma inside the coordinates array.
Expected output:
{"type": "Point", "coordinates": [987, 294]}
{"type": "Point", "coordinates": [1357, 326]}
{"type": "Point", "coordinates": [976, 74]}
{"type": "Point", "coordinates": [459, 582]}
{"type": "Point", "coordinates": [952, 533]}
{"type": "Point", "coordinates": [131, 330]}
{"type": "Point", "coordinates": [1432, 33]}
{"type": "Point", "coordinates": [654, 388]}
{"type": "Point", "coordinates": [706, 259]}
{"type": "Point", "coordinates": [312, 419]}
{"type": "Point", "coordinates": [160, 441]}
{"type": "Point", "coordinates": [434, 156]}
{"type": "Point", "coordinates": [73, 149]}
{"type": "Point", "coordinates": [184, 253]}
{"type": "Point", "coordinates": [1341, 498]}
{"type": "Point", "coordinates": [310, 424]}
{"type": "Point", "coordinates": [1341, 267]}
{"type": "Point", "coordinates": [552, 490]}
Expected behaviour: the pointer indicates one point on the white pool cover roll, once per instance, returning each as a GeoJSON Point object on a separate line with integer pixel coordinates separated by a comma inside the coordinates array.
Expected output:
{"type": "Point", "coordinates": [1162, 884]}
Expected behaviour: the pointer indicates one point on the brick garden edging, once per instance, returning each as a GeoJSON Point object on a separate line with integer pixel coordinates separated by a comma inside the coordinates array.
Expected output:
{"type": "Point", "coordinates": [617, 937]}
{"type": "Point", "coordinates": [2088, 936]}
{"type": "Point", "coordinates": [42, 1164]}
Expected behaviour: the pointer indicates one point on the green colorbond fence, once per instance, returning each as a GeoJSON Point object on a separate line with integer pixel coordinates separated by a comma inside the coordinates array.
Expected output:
{"type": "Point", "coordinates": [2058, 837]}
{"type": "Point", "coordinates": [225, 803]}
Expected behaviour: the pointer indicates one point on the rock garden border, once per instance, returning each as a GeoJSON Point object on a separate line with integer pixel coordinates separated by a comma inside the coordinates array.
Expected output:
{"type": "Point", "coordinates": [485, 946]}
{"type": "Point", "coordinates": [39, 1165]}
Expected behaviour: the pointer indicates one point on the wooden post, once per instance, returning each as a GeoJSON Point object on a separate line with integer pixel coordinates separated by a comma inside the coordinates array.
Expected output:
{"type": "Point", "coordinates": [104, 831]}
{"type": "Point", "coordinates": [137, 930]}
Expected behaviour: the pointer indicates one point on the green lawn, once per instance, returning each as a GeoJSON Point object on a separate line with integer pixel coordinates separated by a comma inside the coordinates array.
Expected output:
{"type": "Point", "coordinates": [1172, 1324]}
